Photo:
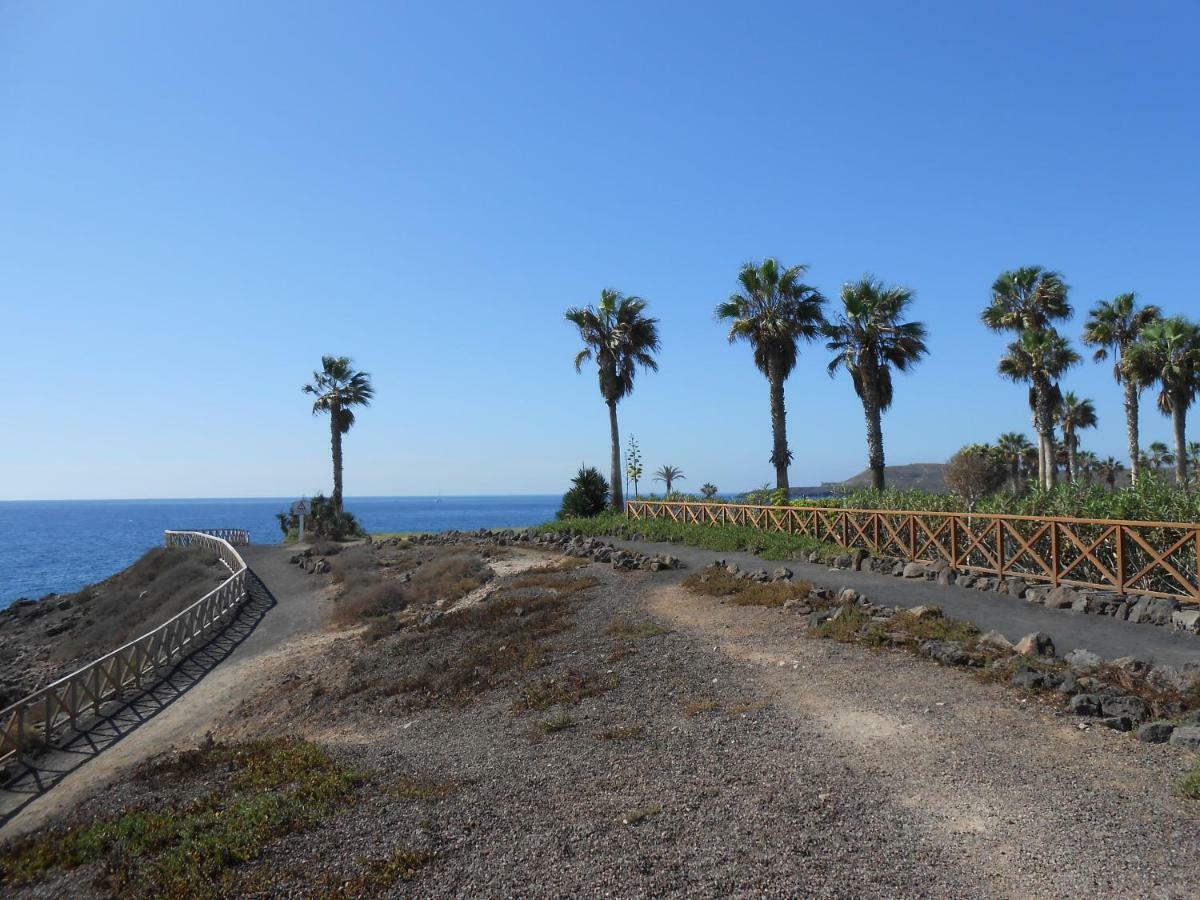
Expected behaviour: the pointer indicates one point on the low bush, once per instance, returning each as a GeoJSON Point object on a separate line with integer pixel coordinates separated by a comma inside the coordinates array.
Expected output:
{"type": "Point", "coordinates": [719, 583]}
{"type": "Point", "coordinates": [1189, 784]}
{"type": "Point", "coordinates": [323, 521]}
{"type": "Point", "coordinates": [563, 690]}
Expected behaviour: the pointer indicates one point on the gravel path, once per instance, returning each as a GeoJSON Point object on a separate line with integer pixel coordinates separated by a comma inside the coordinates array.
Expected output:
{"type": "Point", "coordinates": [988, 610]}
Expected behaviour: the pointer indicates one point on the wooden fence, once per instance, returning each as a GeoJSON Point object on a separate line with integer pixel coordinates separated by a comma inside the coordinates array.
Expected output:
{"type": "Point", "coordinates": [1153, 558]}
{"type": "Point", "coordinates": [32, 722]}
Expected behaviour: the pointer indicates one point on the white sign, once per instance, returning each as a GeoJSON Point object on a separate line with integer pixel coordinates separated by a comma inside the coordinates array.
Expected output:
{"type": "Point", "coordinates": [300, 508]}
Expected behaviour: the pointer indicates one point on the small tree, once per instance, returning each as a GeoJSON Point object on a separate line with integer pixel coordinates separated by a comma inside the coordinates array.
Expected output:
{"type": "Point", "coordinates": [323, 521]}
{"type": "Point", "coordinates": [633, 463]}
{"type": "Point", "coordinates": [976, 471]}
{"type": "Point", "coordinates": [708, 490]}
{"type": "Point", "coordinates": [588, 495]}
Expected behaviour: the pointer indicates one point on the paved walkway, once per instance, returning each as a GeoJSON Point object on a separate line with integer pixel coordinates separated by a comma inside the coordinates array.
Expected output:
{"type": "Point", "coordinates": [986, 609]}
{"type": "Point", "coordinates": [285, 605]}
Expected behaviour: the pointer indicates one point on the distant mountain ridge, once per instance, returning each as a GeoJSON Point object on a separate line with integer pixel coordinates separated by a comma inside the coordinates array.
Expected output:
{"type": "Point", "coordinates": [914, 476]}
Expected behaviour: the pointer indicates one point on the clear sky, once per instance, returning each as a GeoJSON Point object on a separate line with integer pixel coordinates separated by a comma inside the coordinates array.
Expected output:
{"type": "Point", "coordinates": [198, 200]}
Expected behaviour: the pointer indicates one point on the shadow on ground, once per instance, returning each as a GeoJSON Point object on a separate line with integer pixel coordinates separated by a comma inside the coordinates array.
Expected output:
{"type": "Point", "coordinates": [123, 717]}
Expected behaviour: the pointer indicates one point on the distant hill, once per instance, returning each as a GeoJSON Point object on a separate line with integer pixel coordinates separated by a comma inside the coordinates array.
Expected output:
{"type": "Point", "coordinates": [915, 476]}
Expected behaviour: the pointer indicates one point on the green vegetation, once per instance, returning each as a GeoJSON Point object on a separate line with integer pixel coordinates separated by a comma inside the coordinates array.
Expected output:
{"type": "Point", "coordinates": [633, 463]}
{"type": "Point", "coordinates": [556, 723]}
{"type": "Point", "coordinates": [622, 733]}
{"type": "Point", "coordinates": [266, 790]}
{"type": "Point", "coordinates": [1075, 414]}
{"type": "Point", "coordinates": [641, 815]}
{"type": "Point", "coordinates": [722, 538]}
{"type": "Point", "coordinates": [870, 339]}
{"type": "Point", "coordinates": [1189, 784]}
{"type": "Point", "coordinates": [338, 388]}
{"type": "Point", "coordinates": [773, 313]}
{"type": "Point", "coordinates": [974, 472]}
{"type": "Point", "coordinates": [1151, 499]}
{"type": "Point", "coordinates": [322, 521]}
{"type": "Point", "coordinates": [588, 495]}
{"type": "Point", "coordinates": [621, 339]}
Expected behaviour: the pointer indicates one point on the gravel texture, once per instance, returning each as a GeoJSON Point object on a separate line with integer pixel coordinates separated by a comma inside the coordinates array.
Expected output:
{"type": "Point", "coordinates": [768, 764]}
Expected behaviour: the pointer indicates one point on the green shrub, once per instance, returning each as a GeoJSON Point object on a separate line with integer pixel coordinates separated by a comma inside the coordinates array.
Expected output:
{"type": "Point", "coordinates": [323, 521]}
{"type": "Point", "coordinates": [588, 495]}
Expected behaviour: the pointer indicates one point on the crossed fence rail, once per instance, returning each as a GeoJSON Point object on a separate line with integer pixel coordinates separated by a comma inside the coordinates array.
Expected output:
{"type": "Point", "coordinates": [1153, 558]}
{"type": "Point", "coordinates": [32, 722]}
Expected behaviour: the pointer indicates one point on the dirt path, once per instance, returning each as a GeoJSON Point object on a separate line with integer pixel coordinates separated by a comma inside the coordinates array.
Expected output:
{"type": "Point", "coordinates": [289, 629]}
{"type": "Point", "coordinates": [1019, 793]}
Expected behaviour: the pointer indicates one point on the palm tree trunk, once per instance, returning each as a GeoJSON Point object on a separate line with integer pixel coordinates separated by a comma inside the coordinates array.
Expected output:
{"type": "Point", "coordinates": [335, 440]}
{"type": "Point", "coordinates": [618, 500]}
{"type": "Point", "coordinates": [1072, 445]}
{"type": "Point", "coordinates": [1179, 423]}
{"type": "Point", "coordinates": [874, 438]}
{"type": "Point", "coordinates": [1131, 426]}
{"type": "Point", "coordinates": [779, 455]}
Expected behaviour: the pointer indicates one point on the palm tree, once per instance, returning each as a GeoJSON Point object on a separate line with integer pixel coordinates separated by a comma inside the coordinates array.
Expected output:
{"type": "Point", "coordinates": [668, 475]}
{"type": "Point", "coordinates": [338, 388]}
{"type": "Point", "coordinates": [1027, 301]}
{"type": "Point", "coordinates": [1193, 454]}
{"type": "Point", "coordinates": [869, 339]}
{"type": "Point", "coordinates": [1074, 414]}
{"type": "Point", "coordinates": [1015, 447]}
{"type": "Point", "coordinates": [1113, 326]}
{"type": "Point", "coordinates": [620, 338]}
{"type": "Point", "coordinates": [1040, 358]}
{"type": "Point", "coordinates": [1168, 354]}
{"type": "Point", "coordinates": [1160, 455]}
{"type": "Point", "coordinates": [708, 490]}
{"type": "Point", "coordinates": [774, 312]}
{"type": "Point", "coordinates": [1087, 462]}
{"type": "Point", "coordinates": [1109, 469]}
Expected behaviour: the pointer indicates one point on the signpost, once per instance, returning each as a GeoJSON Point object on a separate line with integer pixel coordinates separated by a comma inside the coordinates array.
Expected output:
{"type": "Point", "coordinates": [300, 509]}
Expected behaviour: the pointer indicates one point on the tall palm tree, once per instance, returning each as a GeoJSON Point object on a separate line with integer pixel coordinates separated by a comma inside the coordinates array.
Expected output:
{"type": "Point", "coordinates": [1113, 326]}
{"type": "Point", "coordinates": [774, 311]}
{"type": "Point", "coordinates": [338, 388]}
{"type": "Point", "coordinates": [1028, 301]}
{"type": "Point", "coordinates": [1015, 447]}
{"type": "Point", "coordinates": [1168, 354]}
{"type": "Point", "coordinates": [1109, 468]}
{"type": "Point", "coordinates": [1040, 358]}
{"type": "Point", "coordinates": [618, 335]}
{"type": "Point", "coordinates": [668, 475]}
{"type": "Point", "coordinates": [870, 339]}
{"type": "Point", "coordinates": [1074, 415]}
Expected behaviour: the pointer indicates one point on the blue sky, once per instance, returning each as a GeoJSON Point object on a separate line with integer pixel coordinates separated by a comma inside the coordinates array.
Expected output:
{"type": "Point", "coordinates": [198, 200]}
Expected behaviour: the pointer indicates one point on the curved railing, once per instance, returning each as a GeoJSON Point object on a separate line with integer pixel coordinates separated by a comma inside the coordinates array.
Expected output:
{"type": "Point", "coordinates": [1153, 558]}
{"type": "Point", "coordinates": [31, 722]}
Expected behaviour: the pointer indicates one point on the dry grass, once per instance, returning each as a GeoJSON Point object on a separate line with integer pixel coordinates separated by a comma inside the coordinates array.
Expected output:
{"type": "Point", "coordinates": [371, 589]}
{"type": "Point", "coordinates": [1189, 784]}
{"type": "Point", "coordinates": [742, 709]}
{"type": "Point", "coordinates": [622, 733]}
{"type": "Point", "coordinates": [162, 583]}
{"type": "Point", "coordinates": [640, 815]}
{"type": "Point", "coordinates": [557, 723]}
{"type": "Point", "coordinates": [701, 705]}
{"type": "Point", "coordinates": [844, 627]}
{"type": "Point", "coordinates": [636, 631]}
{"type": "Point", "coordinates": [408, 787]}
{"type": "Point", "coordinates": [563, 690]}
{"type": "Point", "coordinates": [719, 583]}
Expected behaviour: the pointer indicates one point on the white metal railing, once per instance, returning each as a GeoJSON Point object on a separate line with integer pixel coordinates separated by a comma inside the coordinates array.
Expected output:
{"type": "Point", "coordinates": [31, 722]}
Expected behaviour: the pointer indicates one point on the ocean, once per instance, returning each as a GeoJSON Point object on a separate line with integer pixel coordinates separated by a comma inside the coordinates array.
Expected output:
{"type": "Point", "coordinates": [58, 546]}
